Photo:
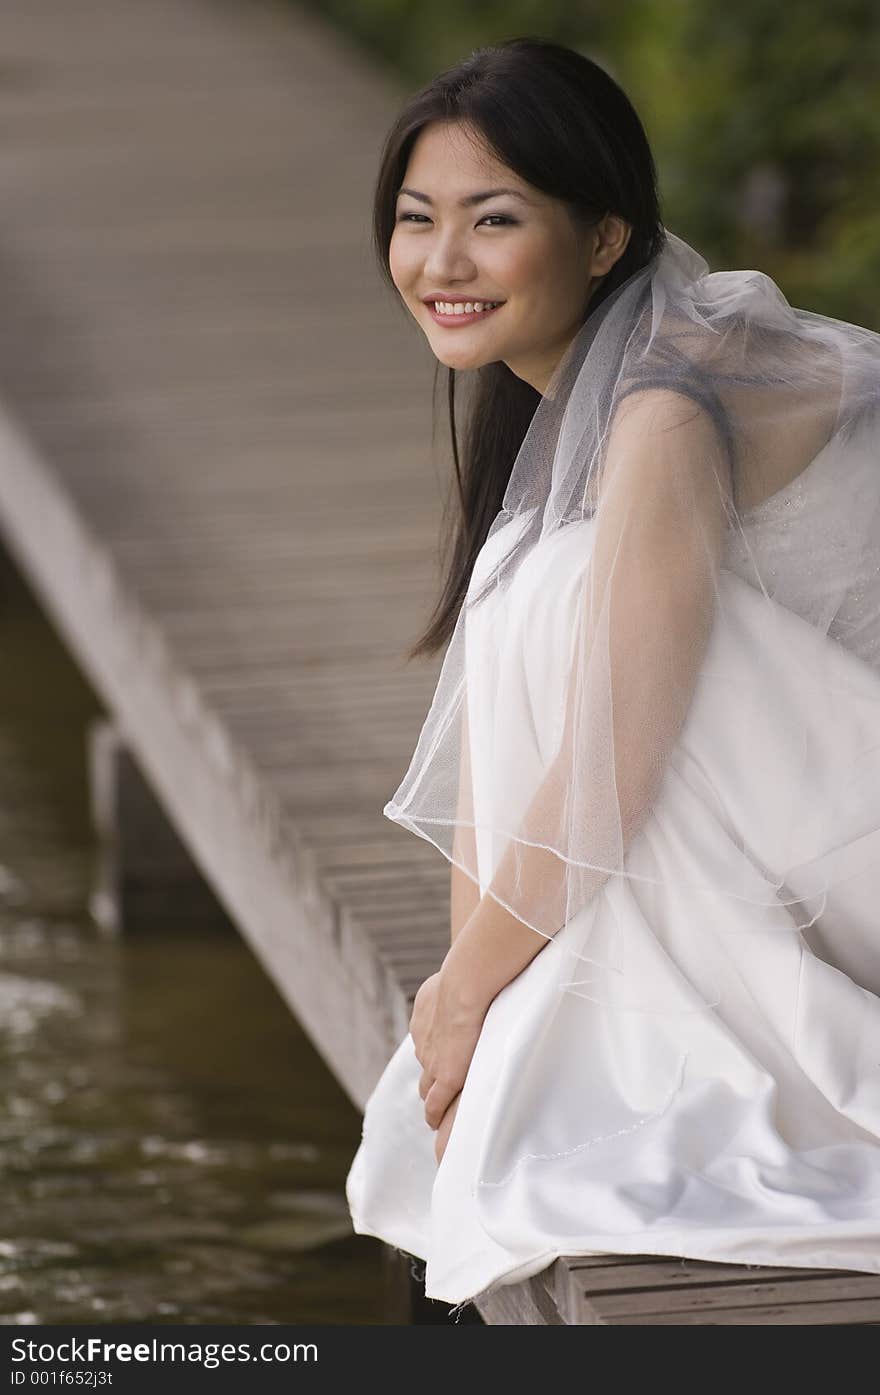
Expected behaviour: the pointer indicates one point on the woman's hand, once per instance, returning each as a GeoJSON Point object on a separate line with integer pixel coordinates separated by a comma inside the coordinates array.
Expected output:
{"type": "Point", "coordinates": [445, 1031]}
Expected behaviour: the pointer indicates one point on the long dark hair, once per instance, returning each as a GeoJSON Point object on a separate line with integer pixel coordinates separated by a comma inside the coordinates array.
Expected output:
{"type": "Point", "coordinates": [564, 125]}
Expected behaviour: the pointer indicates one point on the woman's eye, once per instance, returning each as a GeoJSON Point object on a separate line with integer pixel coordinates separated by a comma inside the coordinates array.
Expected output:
{"type": "Point", "coordinates": [500, 217]}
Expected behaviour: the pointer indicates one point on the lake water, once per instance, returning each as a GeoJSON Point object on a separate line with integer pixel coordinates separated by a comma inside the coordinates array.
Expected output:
{"type": "Point", "coordinates": [172, 1147]}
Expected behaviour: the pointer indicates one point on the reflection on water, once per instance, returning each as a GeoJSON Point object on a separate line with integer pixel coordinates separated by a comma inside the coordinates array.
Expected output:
{"type": "Point", "coordinates": [173, 1149]}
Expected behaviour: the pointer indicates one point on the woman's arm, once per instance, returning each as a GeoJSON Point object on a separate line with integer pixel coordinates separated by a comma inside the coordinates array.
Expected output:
{"type": "Point", "coordinates": [658, 543]}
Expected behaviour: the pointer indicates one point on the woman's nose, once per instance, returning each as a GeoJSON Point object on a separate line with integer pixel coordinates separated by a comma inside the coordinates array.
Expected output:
{"type": "Point", "coordinates": [448, 261]}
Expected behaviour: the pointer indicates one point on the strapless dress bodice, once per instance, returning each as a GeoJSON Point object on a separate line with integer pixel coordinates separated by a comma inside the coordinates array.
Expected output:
{"type": "Point", "coordinates": [815, 545]}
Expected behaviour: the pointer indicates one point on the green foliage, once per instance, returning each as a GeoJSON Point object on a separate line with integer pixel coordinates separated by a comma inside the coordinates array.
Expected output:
{"type": "Point", "coordinates": [763, 118]}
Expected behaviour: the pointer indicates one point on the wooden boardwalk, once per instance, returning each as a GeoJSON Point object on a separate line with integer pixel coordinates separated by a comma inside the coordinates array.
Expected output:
{"type": "Point", "coordinates": [216, 472]}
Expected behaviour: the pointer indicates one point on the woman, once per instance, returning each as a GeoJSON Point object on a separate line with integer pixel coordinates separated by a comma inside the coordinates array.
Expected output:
{"type": "Point", "coordinates": [653, 754]}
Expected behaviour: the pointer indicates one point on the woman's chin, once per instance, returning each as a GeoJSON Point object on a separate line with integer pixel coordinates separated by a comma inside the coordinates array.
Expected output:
{"type": "Point", "coordinates": [462, 361]}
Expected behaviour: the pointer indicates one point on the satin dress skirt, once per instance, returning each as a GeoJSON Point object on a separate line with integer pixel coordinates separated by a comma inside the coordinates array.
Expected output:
{"type": "Point", "coordinates": [680, 1071]}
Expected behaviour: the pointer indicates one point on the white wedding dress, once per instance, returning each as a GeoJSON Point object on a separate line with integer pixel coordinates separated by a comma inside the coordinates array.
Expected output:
{"type": "Point", "coordinates": [746, 1131]}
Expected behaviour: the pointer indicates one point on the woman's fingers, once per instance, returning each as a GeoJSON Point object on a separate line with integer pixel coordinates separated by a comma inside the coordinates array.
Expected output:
{"type": "Point", "coordinates": [445, 1128]}
{"type": "Point", "coordinates": [438, 1099]}
{"type": "Point", "coordinates": [426, 1080]}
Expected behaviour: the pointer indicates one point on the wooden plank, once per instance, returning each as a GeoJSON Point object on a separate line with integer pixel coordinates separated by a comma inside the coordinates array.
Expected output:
{"type": "Point", "coordinates": [524, 1305]}
{"type": "Point", "coordinates": [846, 1314]}
{"type": "Point", "coordinates": [671, 1272]}
{"type": "Point", "coordinates": [772, 1293]}
{"type": "Point", "coordinates": [685, 1291]}
{"type": "Point", "coordinates": [356, 848]}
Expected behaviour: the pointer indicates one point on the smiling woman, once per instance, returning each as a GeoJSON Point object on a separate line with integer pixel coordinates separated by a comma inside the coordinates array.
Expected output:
{"type": "Point", "coordinates": [652, 748]}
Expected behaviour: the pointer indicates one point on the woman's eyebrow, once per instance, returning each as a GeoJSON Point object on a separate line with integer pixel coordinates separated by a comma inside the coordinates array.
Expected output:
{"type": "Point", "coordinates": [469, 199]}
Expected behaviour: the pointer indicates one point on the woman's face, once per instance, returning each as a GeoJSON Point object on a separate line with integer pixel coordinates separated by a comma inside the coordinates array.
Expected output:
{"type": "Point", "coordinates": [520, 248]}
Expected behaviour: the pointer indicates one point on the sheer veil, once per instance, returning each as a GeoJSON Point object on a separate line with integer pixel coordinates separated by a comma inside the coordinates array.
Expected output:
{"type": "Point", "coordinates": [693, 519]}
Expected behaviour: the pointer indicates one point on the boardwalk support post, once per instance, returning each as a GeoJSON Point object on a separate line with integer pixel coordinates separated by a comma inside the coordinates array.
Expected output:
{"type": "Point", "coordinates": [143, 871]}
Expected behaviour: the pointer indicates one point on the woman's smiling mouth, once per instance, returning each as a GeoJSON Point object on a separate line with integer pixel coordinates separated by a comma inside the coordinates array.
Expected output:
{"type": "Point", "coordinates": [454, 313]}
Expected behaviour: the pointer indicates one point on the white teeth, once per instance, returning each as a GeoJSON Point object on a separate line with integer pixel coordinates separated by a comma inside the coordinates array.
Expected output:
{"type": "Point", "coordinates": [446, 307]}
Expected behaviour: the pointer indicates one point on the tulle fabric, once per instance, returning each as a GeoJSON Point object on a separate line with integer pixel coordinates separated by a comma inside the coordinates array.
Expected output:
{"type": "Point", "coordinates": [689, 404]}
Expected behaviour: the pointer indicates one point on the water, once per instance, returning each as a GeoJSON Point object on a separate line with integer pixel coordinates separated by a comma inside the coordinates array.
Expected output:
{"type": "Point", "coordinates": [173, 1149]}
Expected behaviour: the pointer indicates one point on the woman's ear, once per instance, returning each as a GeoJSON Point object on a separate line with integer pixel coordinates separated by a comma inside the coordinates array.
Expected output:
{"type": "Point", "coordinates": [610, 241]}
